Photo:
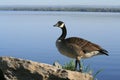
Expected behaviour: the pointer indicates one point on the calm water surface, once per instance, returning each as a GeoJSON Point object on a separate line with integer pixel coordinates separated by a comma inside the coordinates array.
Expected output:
{"type": "Point", "coordinates": [31, 35]}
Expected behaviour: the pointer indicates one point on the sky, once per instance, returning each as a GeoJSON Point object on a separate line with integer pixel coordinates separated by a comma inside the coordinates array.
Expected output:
{"type": "Point", "coordinates": [60, 2]}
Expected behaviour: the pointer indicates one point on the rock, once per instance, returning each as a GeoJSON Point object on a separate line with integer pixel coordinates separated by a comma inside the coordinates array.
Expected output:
{"type": "Point", "coordinates": [56, 64]}
{"type": "Point", "coordinates": [19, 69]}
{"type": "Point", "coordinates": [2, 77]}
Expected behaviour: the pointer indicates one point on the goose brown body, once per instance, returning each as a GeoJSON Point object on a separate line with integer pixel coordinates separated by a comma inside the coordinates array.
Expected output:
{"type": "Point", "coordinates": [75, 47]}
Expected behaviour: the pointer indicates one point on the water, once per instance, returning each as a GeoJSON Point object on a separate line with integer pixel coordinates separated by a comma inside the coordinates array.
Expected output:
{"type": "Point", "coordinates": [31, 35]}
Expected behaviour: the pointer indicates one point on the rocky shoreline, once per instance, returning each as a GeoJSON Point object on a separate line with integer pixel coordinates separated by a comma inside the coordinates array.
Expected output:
{"type": "Point", "coordinates": [18, 69]}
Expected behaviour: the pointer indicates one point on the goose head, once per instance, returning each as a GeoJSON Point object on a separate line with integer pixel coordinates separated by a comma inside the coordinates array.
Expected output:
{"type": "Point", "coordinates": [60, 24]}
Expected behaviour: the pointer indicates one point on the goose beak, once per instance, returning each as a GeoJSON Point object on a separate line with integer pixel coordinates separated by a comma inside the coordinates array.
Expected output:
{"type": "Point", "coordinates": [55, 25]}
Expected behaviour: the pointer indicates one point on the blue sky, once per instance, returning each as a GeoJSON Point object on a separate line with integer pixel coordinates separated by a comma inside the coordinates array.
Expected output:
{"type": "Point", "coordinates": [60, 2]}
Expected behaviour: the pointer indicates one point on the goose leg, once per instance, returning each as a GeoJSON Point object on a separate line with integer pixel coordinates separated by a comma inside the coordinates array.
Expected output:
{"type": "Point", "coordinates": [76, 65]}
{"type": "Point", "coordinates": [80, 66]}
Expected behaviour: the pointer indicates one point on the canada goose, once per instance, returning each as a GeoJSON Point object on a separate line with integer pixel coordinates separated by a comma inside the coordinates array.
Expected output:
{"type": "Point", "coordinates": [75, 47]}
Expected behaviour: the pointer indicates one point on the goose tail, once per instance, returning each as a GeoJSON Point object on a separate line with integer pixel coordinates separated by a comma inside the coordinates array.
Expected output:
{"type": "Point", "coordinates": [103, 51]}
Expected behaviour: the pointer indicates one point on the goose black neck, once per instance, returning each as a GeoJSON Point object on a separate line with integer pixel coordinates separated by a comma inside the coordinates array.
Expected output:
{"type": "Point", "coordinates": [64, 33]}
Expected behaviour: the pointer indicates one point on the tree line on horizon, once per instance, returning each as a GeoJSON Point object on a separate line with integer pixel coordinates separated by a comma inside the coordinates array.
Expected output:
{"type": "Point", "coordinates": [80, 9]}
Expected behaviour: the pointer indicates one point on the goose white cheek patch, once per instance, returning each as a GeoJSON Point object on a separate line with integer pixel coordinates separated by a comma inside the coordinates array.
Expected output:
{"type": "Point", "coordinates": [62, 25]}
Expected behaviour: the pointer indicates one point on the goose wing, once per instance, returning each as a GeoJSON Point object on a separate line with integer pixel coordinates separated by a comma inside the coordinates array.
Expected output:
{"type": "Point", "coordinates": [82, 44]}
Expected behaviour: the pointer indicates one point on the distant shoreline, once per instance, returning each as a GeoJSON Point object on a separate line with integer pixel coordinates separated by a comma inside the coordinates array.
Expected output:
{"type": "Point", "coordinates": [61, 8]}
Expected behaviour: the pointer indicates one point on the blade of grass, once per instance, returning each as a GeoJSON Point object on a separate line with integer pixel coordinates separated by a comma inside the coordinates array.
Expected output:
{"type": "Point", "coordinates": [94, 76]}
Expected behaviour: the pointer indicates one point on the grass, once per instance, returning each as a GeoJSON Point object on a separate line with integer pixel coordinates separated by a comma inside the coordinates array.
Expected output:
{"type": "Point", "coordinates": [86, 69]}
{"type": "Point", "coordinates": [94, 76]}
{"type": "Point", "coordinates": [69, 65]}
